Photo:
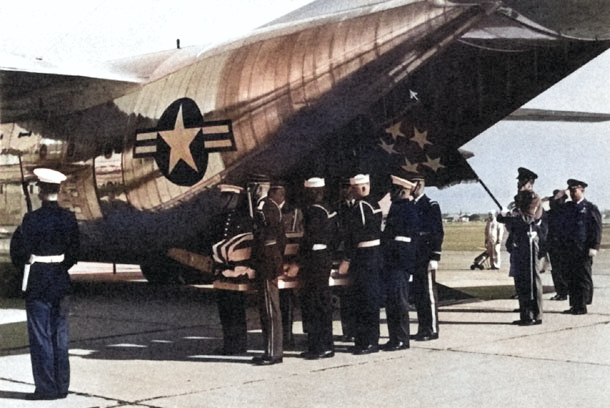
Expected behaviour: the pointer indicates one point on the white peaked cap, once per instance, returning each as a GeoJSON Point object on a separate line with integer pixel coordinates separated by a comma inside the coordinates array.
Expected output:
{"type": "Point", "coordinates": [230, 188]}
{"type": "Point", "coordinates": [49, 176]}
{"type": "Point", "coordinates": [402, 182]}
{"type": "Point", "coordinates": [314, 182]}
{"type": "Point", "coordinates": [360, 179]}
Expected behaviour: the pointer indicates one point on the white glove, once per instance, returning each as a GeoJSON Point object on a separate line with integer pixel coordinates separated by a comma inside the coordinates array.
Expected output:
{"type": "Point", "coordinates": [432, 265]}
{"type": "Point", "coordinates": [343, 267]}
{"type": "Point", "coordinates": [504, 212]}
{"type": "Point", "coordinates": [592, 252]}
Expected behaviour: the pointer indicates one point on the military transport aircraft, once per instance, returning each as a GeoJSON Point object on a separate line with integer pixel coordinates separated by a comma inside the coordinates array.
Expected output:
{"type": "Point", "coordinates": [331, 89]}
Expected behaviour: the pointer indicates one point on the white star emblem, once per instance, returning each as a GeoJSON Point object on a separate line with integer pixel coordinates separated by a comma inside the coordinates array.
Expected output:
{"type": "Point", "coordinates": [434, 164]}
{"type": "Point", "coordinates": [395, 131]}
{"type": "Point", "coordinates": [421, 138]}
{"type": "Point", "coordinates": [410, 167]}
{"type": "Point", "coordinates": [179, 140]}
{"type": "Point", "coordinates": [388, 147]}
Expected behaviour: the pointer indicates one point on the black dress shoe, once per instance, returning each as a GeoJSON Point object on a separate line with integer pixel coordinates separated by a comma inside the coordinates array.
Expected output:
{"type": "Point", "coordinates": [395, 345]}
{"type": "Point", "coordinates": [579, 311]}
{"type": "Point", "coordinates": [426, 337]}
{"type": "Point", "coordinates": [531, 322]}
{"type": "Point", "coordinates": [266, 361]}
{"type": "Point", "coordinates": [313, 355]}
{"type": "Point", "coordinates": [40, 397]}
{"type": "Point", "coordinates": [559, 297]}
{"type": "Point", "coordinates": [366, 350]}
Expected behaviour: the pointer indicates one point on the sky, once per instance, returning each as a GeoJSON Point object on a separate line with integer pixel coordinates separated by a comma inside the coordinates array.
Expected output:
{"type": "Point", "coordinates": [68, 31]}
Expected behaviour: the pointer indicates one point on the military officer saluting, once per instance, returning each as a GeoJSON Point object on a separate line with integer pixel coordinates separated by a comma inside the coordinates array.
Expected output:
{"type": "Point", "coordinates": [582, 233]}
{"type": "Point", "coordinates": [363, 260]}
{"type": "Point", "coordinates": [399, 260]}
{"type": "Point", "coordinates": [46, 246]}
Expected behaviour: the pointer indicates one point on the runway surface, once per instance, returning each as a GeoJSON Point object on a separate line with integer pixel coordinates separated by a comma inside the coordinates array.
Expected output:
{"type": "Point", "coordinates": [137, 345]}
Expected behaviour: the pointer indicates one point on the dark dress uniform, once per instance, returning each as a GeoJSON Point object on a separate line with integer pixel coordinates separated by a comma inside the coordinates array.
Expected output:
{"type": "Point", "coordinates": [364, 253]}
{"type": "Point", "coordinates": [348, 309]}
{"type": "Point", "coordinates": [527, 233]}
{"type": "Point", "coordinates": [268, 250]}
{"type": "Point", "coordinates": [315, 262]}
{"type": "Point", "coordinates": [428, 237]}
{"type": "Point", "coordinates": [399, 261]}
{"type": "Point", "coordinates": [583, 231]}
{"type": "Point", "coordinates": [232, 249]}
{"type": "Point", "coordinates": [557, 249]}
{"type": "Point", "coordinates": [48, 238]}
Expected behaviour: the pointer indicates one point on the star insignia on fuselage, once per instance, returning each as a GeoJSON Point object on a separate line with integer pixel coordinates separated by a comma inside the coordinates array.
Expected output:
{"type": "Point", "coordinates": [179, 140]}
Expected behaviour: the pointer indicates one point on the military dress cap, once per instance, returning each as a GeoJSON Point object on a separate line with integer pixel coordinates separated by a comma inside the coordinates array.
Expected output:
{"type": "Point", "coordinates": [525, 174]}
{"type": "Point", "coordinates": [49, 176]}
{"type": "Point", "coordinates": [576, 183]}
{"type": "Point", "coordinates": [259, 178]}
{"type": "Point", "coordinates": [415, 176]}
{"type": "Point", "coordinates": [314, 182]}
{"type": "Point", "coordinates": [360, 179]}
{"type": "Point", "coordinates": [230, 188]}
{"type": "Point", "coordinates": [402, 182]}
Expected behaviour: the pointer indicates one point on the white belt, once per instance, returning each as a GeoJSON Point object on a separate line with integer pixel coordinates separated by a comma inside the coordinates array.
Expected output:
{"type": "Point", "coordinates": [46, 259]}
{"type": "Point", "coordinates": [402, 239]}
{"type": "Point", "coordinates": [368, 244]}
{"type": "Point", "coordinates": [318, 247]}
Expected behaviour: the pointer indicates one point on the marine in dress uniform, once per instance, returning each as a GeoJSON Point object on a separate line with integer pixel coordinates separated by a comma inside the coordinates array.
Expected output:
{"type": "Point", "coordinates": [268, 251]}
{"type": "Point", "coordinates": [315, 261]}
{"type": "Point", "coordinates": [232, 234]}
{"type": "Point", "coordinates": [583, 232]}
{"type": "Point", "coordinates": [527, 229]}
{"type": "Point", "coordinates": [399, 260]}
{"type": "Point", "coordinates": [47, 243]}
{"type": "Point", "coordinates": [428, 237]}
{"type": "Point", "coordinates": [364, 261]}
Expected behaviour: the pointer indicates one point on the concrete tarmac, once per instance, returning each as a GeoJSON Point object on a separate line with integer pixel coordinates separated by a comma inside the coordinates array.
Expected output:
{"type": "Point", "coordinates": [136, 345]}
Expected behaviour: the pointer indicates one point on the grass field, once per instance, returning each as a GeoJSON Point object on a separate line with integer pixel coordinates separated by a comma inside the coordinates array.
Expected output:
{"type": "Point", "coordinates": [464, 236]}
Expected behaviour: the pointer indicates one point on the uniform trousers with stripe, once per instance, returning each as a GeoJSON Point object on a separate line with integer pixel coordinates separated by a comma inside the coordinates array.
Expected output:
{"type": "Point", "coordinates": [47, 322]}
{"type": "Point", "coordinates": [268, 268]}
{"type": "Point", "coordinates": [425, 296]}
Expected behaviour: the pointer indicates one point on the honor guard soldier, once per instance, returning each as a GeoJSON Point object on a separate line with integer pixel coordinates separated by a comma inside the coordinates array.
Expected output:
{"type": "Point", "coordinates": [527, 231]}
{"type": "Point", "coordinates": [526, 179]}
{"type": "Point", "coordinates": [428, 237]}
{"type": "Point", "coordinates": [348, 310]}
{"type": "Point", "coordinates": [363, 260]}
{"type": "Point", "coordinates": [399, 260]}
{"type": "Point", "coordinates": [268, 250]}
{"type": "Point", "coordinates": [582, 237]}
{"type": "Point", "coordinates": [46, 246]}
{"type": "Point", "coordinates": [315, 261]}
{"type": "Point", "coordinates": [232, 234]}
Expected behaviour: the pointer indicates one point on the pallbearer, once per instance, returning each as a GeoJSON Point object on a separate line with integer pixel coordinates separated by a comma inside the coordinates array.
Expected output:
{"type": "Point", "coordinates": [268, 251]}
{"type": "Point", "coordinates": [232, 233]}
{"type": "Point", "coordinates": [315, 262]}
{"type": "Point", "coordinates": [363, 260]}
{"type": "Point", "coordinates": [399, 260]}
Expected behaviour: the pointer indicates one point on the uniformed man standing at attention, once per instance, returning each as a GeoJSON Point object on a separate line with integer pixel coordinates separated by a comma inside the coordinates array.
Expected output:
{"type": "Point", "coordinates": [428, 237]}
{"type": "Point", "coordinates": [315, 262]}
{"type": "Point", "coordinates": [582, 234]}
{"type": "Point", "coordinates": [363, 261]}
{"type": "Point", "coordinates": [232, 233]}
{"type": "Point", "coordinates": [399, 260]}
{"type": "Point", "coordinates": [46, 246]}
{"type": "Point", "coordinates": [268, 251]}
